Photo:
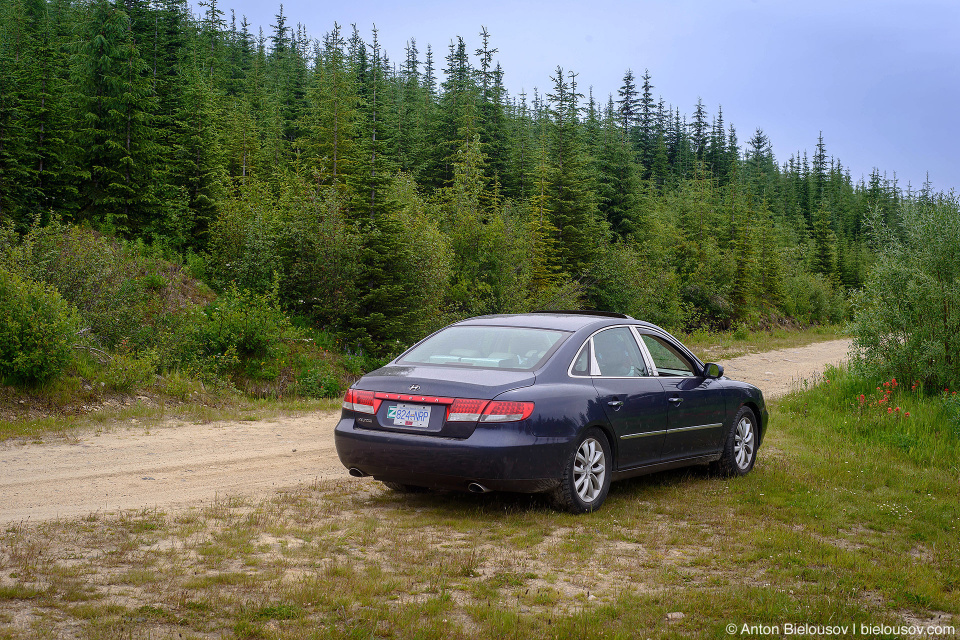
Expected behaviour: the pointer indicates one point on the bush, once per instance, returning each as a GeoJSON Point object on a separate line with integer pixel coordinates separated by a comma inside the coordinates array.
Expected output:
{"type": "Point", "coordinates": [813, 299]}
{"type": "Point", "coordinates": [244, 324]}
{"type": "Point", "coordinates": [126, 371]}
{"type": "Point", "coordinates": [907, 321]}
{"type": "Point", "coordinates": [37, 330]}
{"type": "Point", "coordinates": [319, 381]}
{"type": "Point", "coordinates": [627, 282]}
{"type": "Point", "coordinates": [119, 289]}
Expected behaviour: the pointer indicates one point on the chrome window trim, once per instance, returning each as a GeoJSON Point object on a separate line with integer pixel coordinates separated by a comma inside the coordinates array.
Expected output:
{"type": "Point", "coordinates": [586, 344]}
{"type": "Point", "coordinates": [651, 365]}
{"type": "Point", "coordinates": [595, 366]}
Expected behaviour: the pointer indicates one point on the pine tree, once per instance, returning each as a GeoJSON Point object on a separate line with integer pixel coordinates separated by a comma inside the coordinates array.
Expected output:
{"type": "Point", "coordinates": [44, 95]}
{"type": "Point", "coordinates": [825, 245]}
{"type": "Point", "coordinates": [332, 115]}
{"type": "Point", "coordinates": [648, 123]}
{"type": "Point", "coordinates": [818, 175]}
{"type": "Point", "coordinates": [202, 166]}
{"type": "Point", "coordinates": [15, 154]}
{"type": "Point", "coordinates": [698, 130]}
{"type": "Point", "coordinates": [770, 280]}
{"type": "Point", "coordinates": [617, 182]}
{"type": "Point", "coordinates": [457, 120]}
{"type": "Point", "coordinates": [628, 107]}
{"type": "Point", "coordinates": [571, 197]}
{"type": "Point", "coordinates": [370, 180]}
{"type": "Point", "coordinates": [115, 133]}
{"type": "Point", "coordinates": [744, 285]}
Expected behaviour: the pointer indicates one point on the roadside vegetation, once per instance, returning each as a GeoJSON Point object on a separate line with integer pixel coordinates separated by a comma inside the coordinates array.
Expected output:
{"type": "Point", "coordinates": [94, 327]}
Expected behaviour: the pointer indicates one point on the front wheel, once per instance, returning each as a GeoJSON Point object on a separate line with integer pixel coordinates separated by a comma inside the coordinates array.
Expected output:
{"type": "Point", "coordinates": [586, 475]}
{"type": "Point", "coordinates": [740, 449]}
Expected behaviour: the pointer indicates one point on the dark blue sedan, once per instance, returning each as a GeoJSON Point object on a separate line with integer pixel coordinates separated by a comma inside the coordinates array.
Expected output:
{"type": "Point", "coordinates": [559, 402]}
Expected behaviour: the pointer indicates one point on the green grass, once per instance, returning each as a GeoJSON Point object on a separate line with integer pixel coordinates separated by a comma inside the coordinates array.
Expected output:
{"type": "Point", "coordinates": [839, 523]}
{"type": "Point", "coordinates": [156, 410]}
{"type": "Point", "coordinates": [709, 345]}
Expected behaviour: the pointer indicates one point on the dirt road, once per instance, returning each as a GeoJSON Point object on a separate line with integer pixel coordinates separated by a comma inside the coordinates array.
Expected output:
{"type": "Point", "coordinates": [178, 465]}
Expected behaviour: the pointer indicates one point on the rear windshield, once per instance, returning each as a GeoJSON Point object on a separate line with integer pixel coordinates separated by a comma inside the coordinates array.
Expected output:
{"type": "Point", "coordinates": [492, 347]}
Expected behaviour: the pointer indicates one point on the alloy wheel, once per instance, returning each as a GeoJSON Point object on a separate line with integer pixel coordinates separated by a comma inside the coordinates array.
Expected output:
{"type": "Point", "coordinates": [589, 470]}
{"type": "Point", "coordinates": [743, 443]}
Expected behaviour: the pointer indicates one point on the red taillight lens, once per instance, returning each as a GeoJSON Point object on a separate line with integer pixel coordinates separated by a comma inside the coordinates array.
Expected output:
{"type": "Point", "coordinates": [465, 410]}
{"type": "Point", "coordinates": [500, 411]}
{"type": "Point", "coordinates": [360, 401]}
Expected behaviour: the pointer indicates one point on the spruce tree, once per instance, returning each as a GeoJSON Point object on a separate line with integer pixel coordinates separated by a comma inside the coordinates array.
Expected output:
{"type": "Point", "coordinates": [617, 180]}
{"type": "Point", "coordinates": [572, 200]}
{"type": "Point", "coordinates": [115, 129]}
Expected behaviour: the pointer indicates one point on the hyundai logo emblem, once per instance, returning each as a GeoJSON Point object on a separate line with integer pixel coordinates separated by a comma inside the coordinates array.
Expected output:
{"type": "Point", "coordinates": [414, 387]}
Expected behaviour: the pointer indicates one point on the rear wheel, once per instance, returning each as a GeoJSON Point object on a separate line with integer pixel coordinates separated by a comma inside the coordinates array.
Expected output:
{"type": "Point", "coordinates": [586, 475]}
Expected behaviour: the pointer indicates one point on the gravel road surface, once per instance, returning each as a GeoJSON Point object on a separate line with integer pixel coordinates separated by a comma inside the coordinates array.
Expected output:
{"type": "Point", "coordinates": [179, 465]}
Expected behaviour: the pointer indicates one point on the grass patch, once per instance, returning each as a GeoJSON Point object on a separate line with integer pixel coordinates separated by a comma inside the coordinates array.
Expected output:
{"type": "Point", "coordinates": [721, 345]}
{"type": "Point", "coordinates": [838, 524]}
{"type": "Point", "coordinates": [152, 411]}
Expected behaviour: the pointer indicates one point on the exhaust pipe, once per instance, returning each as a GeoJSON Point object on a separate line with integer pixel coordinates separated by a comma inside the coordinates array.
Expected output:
{"type": "Point", "coordinates": [356, 473]}
{"type": "Point", "coordinates": [476, 487]}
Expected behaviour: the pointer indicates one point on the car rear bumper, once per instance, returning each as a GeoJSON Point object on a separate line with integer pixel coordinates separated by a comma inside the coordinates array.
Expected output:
{"type": "Point", "coordinates": [501, 458]}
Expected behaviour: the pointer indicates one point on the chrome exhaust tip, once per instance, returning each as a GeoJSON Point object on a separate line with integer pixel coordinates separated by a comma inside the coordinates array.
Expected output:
{"type": "Point", "coordinates": [356, 473]}
{"type": "Point", "coordinates": [476, 487]}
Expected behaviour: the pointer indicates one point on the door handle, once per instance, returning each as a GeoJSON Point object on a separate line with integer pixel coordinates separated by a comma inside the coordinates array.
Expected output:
{"type": "Point", "coordinates": [616, 404]}
{"type": "Point", "coordinates": [677, 400]}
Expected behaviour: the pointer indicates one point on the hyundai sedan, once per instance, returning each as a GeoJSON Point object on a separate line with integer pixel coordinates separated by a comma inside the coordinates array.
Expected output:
{"type": "Point", "coordinates": [555, 402]}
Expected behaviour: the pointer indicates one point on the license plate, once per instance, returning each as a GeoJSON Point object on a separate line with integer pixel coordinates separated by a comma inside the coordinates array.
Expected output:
{"type": "Point", "coordinates": [409, 415]}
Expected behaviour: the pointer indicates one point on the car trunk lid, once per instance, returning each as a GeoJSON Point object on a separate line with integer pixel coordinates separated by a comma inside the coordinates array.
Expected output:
{"type": "Point", "coordinates": [434, 401]}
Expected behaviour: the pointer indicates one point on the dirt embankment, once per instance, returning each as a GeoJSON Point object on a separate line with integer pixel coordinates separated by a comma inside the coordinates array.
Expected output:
{"type": "Point", "coordinates": [177, 465]}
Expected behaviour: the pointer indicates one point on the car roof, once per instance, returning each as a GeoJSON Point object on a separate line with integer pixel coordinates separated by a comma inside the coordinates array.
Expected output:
{"type": "Point", "coordinates": [560, 320]}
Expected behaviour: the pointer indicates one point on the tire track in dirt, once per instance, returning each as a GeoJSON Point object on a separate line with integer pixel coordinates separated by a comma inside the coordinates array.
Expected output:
{"type": "Point", "coordinates": [179, 465]}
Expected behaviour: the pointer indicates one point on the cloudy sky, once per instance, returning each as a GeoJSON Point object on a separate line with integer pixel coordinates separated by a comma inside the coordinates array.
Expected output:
{"type": "Point", "coordinates": [879, 78]}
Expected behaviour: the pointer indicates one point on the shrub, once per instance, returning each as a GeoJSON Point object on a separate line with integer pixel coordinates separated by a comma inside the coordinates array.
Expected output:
{"type": "Point", "coordinates": [37, 330]}
{"type": "Point", "coordinates": [119, 289]}
{"type": "Point", "coordinates": [907, 321]}
{"type": "Point", "coordinates": [319, 381]}
{"type": "Point", "coordinates": [245, 324]}
{"type": "Point", "coordinates": [126, 371]}
{"type": "Point", "coordinates": [811, 298]}
{"type": "Point", "coordinates": [627, 282]}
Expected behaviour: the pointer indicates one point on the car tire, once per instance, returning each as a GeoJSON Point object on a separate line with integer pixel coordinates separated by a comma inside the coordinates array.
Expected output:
{"type": "Point", "coordinates": [403, 488]}
{"type": "Point", "coordinates": [586, 474]}
{"type": "Point", "coordinates": [740, 449]}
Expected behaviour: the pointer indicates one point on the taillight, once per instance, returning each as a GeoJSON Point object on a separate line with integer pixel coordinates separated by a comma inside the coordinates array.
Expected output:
{"type": "Point", "coordinates": [465, 410]}
{"type": "Point", "coordinates": [502, 411]}
{"type": "Point", "coordinates": [360, 401]}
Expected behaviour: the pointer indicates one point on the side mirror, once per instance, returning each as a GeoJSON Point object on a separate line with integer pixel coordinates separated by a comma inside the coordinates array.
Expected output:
{"type": "Point", "coordinates": [712, 370]}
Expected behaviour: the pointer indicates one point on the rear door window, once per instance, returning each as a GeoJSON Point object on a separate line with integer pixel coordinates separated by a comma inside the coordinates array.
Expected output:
{"type": "Point", "coordinates": [618, 354]}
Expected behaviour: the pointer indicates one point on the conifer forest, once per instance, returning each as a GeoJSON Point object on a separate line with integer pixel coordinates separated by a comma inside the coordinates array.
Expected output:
{"type": "Point", "coordinates": [379, 195]}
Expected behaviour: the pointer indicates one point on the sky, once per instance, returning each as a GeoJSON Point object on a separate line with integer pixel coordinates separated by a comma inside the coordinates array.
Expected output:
{"type": "Point", "coordinates": [879, 78]}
